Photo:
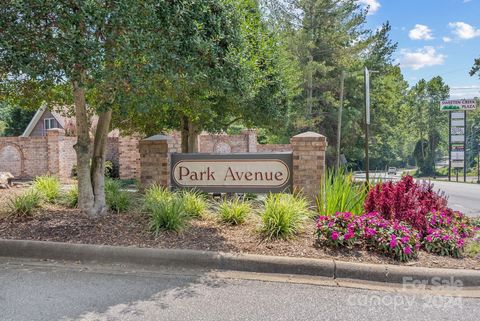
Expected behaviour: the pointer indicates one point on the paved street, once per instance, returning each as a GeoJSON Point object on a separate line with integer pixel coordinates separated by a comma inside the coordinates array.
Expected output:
{"type": "Point", "coordinates": [32, 290]}
{"type": "Point", "coordinates": [464, 197]}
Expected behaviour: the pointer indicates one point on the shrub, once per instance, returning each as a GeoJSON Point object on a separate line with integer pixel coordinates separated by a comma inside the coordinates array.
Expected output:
{"type": "Point", "coordinates": [405, 201]}
{"type": "Point", "coordinates": [283, 215]}
{"type": "Point", "coordinates": [340, 193]}
{"type": "Point", "coordinates": [71, 197]}
{"type": "Point", "coordinates": [234, 212]}
{"type": "Point", "coordinates": [391, 238]}
{"type": "Point", "coordinates": [194, 202]}
{"type": "Point", "coordinates": [447, 232]}
{"type": "Point", "coordinates": [472, 249]}
{"type": "Point", "coordinates": [24, 204]}
{"type": "Point", "coordinates": [155, 194]}
{"type": "Point", "coordinates": [167, 214]}
{"type": "Point", "coordinates": [48, 187]}
{"type": "Point", "coordinates": [117, 200]}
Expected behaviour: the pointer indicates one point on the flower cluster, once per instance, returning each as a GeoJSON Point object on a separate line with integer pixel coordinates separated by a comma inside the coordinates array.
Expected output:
{"type": "Point", "coordinates": [405, 201]}
{"type": "Point", "coordinates": [372, 231]}
{"type": "Point", "coordinates": [447, 232]}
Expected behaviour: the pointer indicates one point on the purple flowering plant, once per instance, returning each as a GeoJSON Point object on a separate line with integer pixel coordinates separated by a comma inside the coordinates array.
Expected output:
{"type": "Point", "coordinates": [372, 231]}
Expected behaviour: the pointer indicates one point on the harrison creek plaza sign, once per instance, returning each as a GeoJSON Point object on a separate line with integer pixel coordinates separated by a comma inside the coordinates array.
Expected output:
{"type": "Point", "coordinates": [249, 172]}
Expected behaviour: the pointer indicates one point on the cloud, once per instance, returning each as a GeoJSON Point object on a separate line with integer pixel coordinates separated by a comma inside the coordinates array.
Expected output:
{"type": "Point", "coordinates": [466, 1]}
{"type": "Point", "coordinates": [420, 32]}
{"type": "Point", "coordinates": [464, 30]}
{"type": "Point", "coordinates": [373, 5]}
{"type": "Point", "coordinates": [420, 58]}
{"type": "Point", "coordinates": [446, 39]}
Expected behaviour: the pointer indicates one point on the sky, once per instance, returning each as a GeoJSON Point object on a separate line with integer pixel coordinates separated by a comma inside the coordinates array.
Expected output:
{"type": "Point", "coordinates": [435, 37]}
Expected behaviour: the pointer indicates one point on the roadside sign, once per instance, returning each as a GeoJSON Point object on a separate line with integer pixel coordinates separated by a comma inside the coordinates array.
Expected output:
{"type": "Point", "coordinates": [458, 115]}
{"type": "Point", "coordinates": [457, 122]}
{"type": "Point", "coordinates": [458, 163]}
{"type": "Point", "coordinates": [458, 131]}
{"type": "Point", "coordinates": [458, 156]}
{"type": "Point", "coordinates": [458, 138]}
{"type": "Point", "coordinates": [458, 104]}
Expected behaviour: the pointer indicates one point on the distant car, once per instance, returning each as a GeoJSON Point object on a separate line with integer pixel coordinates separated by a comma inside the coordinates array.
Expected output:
{"type": "Point", "coordinates": [392, 171]}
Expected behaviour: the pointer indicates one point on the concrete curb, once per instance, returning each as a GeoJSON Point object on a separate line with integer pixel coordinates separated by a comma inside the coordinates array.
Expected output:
{"type": "Point", "coordinates": [236, 262]}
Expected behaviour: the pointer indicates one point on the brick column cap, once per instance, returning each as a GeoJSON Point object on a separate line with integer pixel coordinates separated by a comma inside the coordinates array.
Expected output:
{"type": "Point", "coordinates": [158, 137]}
{"type": "Point", "coordinates": [308, 136]}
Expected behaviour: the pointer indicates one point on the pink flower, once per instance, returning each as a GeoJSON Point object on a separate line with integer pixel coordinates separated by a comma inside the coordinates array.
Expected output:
{"type": "Point", "coordinates": [407, 250]}
{"type": "Point", "coordinates": [393, 241]}
{"type": "Point", "coordinates": [335, 235]}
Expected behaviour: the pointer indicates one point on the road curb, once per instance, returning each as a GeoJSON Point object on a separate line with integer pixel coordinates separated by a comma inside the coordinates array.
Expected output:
{"type": "Point", "coordinates": [235, 262]}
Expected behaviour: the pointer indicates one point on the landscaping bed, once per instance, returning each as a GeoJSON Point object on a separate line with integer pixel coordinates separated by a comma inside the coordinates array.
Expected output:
{"type": "Point", "coordinates": [54, 222]}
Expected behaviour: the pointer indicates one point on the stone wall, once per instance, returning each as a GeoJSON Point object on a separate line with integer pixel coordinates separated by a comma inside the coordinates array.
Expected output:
{"type": "Point", "coordinates": [53, 154]}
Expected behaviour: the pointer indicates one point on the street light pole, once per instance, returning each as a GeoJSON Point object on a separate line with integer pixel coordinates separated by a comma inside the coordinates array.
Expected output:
{"type": "Point", "coordinates": [339, 127]}
{"type": "Point", "coordinates": [367, 121]}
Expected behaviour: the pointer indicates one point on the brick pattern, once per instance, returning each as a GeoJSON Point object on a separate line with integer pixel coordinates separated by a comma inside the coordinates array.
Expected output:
{"type": "Point", "coordinates": [308, 162]}
{"type": "Point", "coordinates": [274, 148]}
{"type": "Point", "coordinates": [129, 157]}
{"type": "Point", "coordinates": [155, 161]}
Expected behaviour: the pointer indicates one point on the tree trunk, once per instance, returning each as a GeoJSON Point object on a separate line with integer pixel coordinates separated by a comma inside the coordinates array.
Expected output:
{"type": "Point", "coordinates": [82, 149]}
{"type": "Point", "coordinates": [190, 133]}
{"type": "Point", "coordinates": [98, 162]}
{"type": "Point", "coordinates": [184, 134]}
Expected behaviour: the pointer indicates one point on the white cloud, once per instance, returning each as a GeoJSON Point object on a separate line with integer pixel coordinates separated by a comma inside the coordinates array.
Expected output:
{"type": "Point", "coordinates": [464, 30]}
{"type": "Point", "coordinates": [446, 39]}
{"type": "Point", "coordinates": [420, 32]}
{"type": "Point", "coordinates": [420, 58]}
{"type": "Point", "coordinates": [373, 5]}
{"type": "Point", "coordinates": [466, 1]}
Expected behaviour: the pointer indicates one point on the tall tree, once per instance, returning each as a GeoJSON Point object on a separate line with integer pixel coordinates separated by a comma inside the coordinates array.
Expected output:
{"type": "Point", "coordinates": [101, 54]}
{"type": "Point", "coordinates": [14, 119]}
{"type": "Point", "coordinates": [238, 71]}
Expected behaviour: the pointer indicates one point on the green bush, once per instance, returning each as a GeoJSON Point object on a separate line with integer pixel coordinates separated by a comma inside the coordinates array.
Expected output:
{"type": "Point", "coordinates": [340, 193]}
{"type": "Point", "coordinates": [24, 204]}
{"type": "Point", "coordinates": [234, 212]}
{"type": "Point", "coordinates": [117, 200]}
{"type": "Point", "coordinates": [283, 215]}
{"type": "Point", "coordinates": [48, 187]}
{"type": "Point", "coordinates": [154, 194]}
{"type": "Point", "coordinates": [71, 197]}
{"type": "Point", "coordinates": [194, 202]}
{"type": "Point", "coordinates": [167, 214]}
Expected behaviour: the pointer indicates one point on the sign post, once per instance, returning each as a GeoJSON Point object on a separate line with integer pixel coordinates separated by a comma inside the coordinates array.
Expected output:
{"type": "Point", "coordinates": [457, 138]}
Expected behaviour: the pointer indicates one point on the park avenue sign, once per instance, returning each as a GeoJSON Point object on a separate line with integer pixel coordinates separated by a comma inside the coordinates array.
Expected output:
{"type": "Point", "coordinates": [458, 104]}
{"type": "Point", "coordinates": [232, 173]}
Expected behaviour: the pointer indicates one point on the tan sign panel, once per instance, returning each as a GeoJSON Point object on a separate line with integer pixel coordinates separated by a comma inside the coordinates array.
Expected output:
{"type": "Point", "coordinates": [232, 172]}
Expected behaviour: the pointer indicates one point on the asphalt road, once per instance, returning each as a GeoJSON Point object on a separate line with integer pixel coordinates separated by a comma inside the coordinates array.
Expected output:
{"type": "Point", "coordinates": [31, 291]}
{"type": "Point", "coordinates": [464, 197]}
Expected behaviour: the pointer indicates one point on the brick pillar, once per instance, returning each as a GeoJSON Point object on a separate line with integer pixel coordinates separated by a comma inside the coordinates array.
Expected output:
{"type": "Point", "coordinates": [155, 160]}
{"type": "Point", "coordinates": [54, 137]}
{"type": "Point", "coordinates": [308, 162]}
{"type": "Point", "coordinates": [251, 135]}
{"type": "Point", "coordinates": [128, 157]}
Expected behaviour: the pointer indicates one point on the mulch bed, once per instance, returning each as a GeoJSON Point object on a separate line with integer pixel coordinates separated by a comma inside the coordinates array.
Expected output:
{"type": "Point", "coordinates": [54, 223]}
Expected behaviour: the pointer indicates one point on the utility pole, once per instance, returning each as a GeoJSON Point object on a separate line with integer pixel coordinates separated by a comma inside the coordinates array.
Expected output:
{"type": "Point", "coordinates": [367, 121]}
{"type": "Point", "coordinates": [339, 127]}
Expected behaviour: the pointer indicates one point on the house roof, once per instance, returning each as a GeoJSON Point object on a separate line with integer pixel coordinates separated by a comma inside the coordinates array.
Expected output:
{"type": "Point", "coordinates": [67, 122]}
{"type": "Point", "coordinates": [59, 114]}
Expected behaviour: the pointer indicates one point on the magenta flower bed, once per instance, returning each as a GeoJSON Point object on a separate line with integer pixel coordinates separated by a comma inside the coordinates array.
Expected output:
{"type": "Point", "coordinates": [401, 218]}
{"type": "Point", "coordinates": [371, 231]}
